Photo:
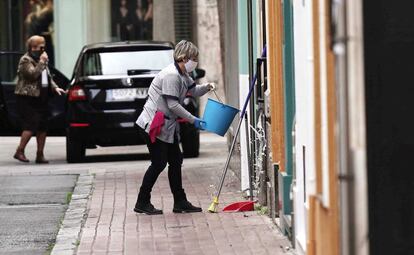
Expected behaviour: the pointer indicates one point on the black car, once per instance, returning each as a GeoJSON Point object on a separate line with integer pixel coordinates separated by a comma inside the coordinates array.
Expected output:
{"type": "Point", "coordinates": [9, 120]}
{"type": "Point", "coordinates": [108, 91]}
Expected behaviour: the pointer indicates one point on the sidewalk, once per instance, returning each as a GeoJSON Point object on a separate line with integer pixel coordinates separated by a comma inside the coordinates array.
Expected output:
{"type": "Point", "coordinates": [113, 228]}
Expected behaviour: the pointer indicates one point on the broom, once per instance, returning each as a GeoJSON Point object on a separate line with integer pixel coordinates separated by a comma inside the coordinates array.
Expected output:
{"type": "Point", "coordinates": [214, 204]}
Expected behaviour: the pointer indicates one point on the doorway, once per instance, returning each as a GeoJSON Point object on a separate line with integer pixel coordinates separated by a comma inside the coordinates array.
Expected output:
{"type": "Point", "coordinates": [389, 55]}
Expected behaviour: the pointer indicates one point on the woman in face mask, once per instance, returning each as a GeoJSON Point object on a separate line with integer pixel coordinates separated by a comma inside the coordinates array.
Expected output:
{"type": "Point", "coordinates": [32, 91]}
{"type": "Point", "coordinates": [158, 126]}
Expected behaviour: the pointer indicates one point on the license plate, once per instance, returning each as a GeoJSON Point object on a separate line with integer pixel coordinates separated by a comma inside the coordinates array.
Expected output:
{"type": "Point", "coordinates": [127, 94]}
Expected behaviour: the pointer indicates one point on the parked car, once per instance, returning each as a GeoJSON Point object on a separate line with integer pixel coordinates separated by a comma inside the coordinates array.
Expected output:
{"type": "Point", "coordinates": [107, 93]}
{"type": "Point", "coordinates": [9, 120]}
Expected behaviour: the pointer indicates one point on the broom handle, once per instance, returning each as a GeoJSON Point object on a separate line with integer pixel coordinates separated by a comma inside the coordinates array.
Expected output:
{"type": "Point", "coordinates": [226, 166]}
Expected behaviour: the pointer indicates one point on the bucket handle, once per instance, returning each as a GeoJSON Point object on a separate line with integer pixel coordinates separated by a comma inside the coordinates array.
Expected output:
{"type": "Point", "coordinates": [218, 97]}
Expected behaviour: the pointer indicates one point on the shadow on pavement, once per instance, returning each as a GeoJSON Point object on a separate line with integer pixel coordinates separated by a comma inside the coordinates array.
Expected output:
{"type": "Point", "coordinates": [116, 157]}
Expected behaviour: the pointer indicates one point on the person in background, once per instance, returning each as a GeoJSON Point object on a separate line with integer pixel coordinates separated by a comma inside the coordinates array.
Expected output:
{"type": "Point", "coordinates": [158, 126]}
{"type": "Point", "coordinates": [142, 20]}
{"type": "Point", "coordinates": [137, 20]}
{"type": "Point", "coordinates": [148, 23]}
{"type": "Point", "coordinates": [124, 22]}
{"type": "Point", "coordinates": [34, 86]}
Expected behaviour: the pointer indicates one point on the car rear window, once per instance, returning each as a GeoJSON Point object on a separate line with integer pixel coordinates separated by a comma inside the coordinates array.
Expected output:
{"type": "Point", "coordinates": [119, 63]}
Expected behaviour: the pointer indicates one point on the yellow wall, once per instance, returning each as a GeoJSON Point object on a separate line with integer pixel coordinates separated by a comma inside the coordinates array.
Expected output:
{"type": "Point", "coordinates": [275, 81]}
{"type": "Point", "coordinates": [324, 221]}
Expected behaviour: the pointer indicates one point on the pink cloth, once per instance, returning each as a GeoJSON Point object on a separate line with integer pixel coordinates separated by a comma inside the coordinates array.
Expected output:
{"type": "Point", "coordinates": [156, 125]}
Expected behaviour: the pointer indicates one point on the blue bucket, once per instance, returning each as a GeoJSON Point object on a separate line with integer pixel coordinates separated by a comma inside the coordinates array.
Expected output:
{"type": "Point", "coordinates": [218, 117]}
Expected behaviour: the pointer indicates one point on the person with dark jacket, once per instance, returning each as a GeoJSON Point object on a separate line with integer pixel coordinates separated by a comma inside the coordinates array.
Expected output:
{"type": "Point", "coordinates": [158, 126]}
{"type": "Point", "coordinates": [34, 85]}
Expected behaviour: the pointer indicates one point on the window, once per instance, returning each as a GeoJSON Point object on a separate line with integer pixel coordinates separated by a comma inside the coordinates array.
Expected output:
{"type": "Point", "coordinates": [119, 63]}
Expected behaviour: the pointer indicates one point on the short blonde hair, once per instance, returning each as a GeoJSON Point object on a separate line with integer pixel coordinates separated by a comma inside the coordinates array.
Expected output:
{"type": "Point", "coordinates": [35, 39]}
{"type": "Point", "coordinates": [185, 49]}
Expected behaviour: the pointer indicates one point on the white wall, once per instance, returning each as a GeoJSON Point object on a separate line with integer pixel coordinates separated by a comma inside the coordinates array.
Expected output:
{"type": "Point", "coordinates": [244, 160]}
{"type": "Point", "coordinates": [76, 23]}
{"type": "Point", "coordinates": [163, 28]}
{"type": "Point", "coordinates": [98, 20]}
{"type": "Point", "coordinates": [324, 105]}
{"type": "Point", "coordinates": [305, 126]}
{"type": "Point", "coordinates": [208, 42]}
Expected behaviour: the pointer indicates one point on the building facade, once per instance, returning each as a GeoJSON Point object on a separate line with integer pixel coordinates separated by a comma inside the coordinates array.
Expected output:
{"type": "Point", "coordinates": [305, 152]}
{"type": "Point", "coordinates": [72, 24]}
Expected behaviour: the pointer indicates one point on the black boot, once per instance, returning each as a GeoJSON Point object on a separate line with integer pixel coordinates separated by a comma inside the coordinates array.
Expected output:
{"type": "Point", "coordinates": [148, 209]}
{"type": "Point", "coordinates": [181, 204]}
{"type": "Point", "coordinates": [143, 204]}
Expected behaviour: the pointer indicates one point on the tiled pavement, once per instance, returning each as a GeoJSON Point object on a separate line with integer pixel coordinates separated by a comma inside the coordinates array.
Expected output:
{"type": "Point", "coordinates": [113, 228]}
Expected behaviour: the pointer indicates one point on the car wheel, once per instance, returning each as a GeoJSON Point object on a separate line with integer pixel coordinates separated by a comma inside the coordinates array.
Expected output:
{"type": "Point", "coordinates": [75, 150]}
{"type": "Point", "coordinates": [190, 141]}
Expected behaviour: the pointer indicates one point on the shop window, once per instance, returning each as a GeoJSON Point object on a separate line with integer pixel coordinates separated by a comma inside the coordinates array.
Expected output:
{"type": "Point", "coordinates": [20, 19]}
{"type": "Point", "coordinates": [132, 19]}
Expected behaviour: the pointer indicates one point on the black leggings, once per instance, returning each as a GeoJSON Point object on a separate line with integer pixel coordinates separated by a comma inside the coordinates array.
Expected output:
{"type": "Point", "coordinates": [161, 153]}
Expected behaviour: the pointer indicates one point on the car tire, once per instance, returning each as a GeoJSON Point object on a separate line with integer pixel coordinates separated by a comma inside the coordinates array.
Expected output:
{"type": "Point", "coordinates": [190, 141]}
{"type": "Point", "coordinates": [75, 150]}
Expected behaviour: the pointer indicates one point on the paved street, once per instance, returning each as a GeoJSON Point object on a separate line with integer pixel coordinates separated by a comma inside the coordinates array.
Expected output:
{"type": "Point", "coordinates": [31, 208]}
{"type": "Point", "coordinates": [113, 228]}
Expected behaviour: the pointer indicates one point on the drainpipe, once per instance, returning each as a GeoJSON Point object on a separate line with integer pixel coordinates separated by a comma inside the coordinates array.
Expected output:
{"type": "Point", "coordinates": [252, 98]}
{"type": "Point", "coordinates": [338, 30]}
{"type": "Point", "coordinates": [357, 129]}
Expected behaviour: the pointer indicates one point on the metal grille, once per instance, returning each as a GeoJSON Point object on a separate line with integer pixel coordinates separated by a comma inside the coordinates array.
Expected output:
{"type": "Point", "coordinates": [183, 20]}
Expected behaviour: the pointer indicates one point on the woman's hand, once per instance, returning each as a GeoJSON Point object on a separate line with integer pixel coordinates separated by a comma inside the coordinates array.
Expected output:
{"type": "Point", "coordinates": [60, 91]}
{"type": "Point", "coordinates": [44, 57]}
{"type": "Point", "coordinates": [211, 86]}
{"type": "Point", "coordinates": [199, 123]}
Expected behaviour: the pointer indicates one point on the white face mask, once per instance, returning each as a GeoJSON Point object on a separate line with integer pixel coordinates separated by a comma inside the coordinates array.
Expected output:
{"type": "Point", "coordinates": [190, 66]}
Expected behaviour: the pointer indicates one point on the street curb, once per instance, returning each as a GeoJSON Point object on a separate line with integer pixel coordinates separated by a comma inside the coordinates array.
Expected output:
{"type": "Point", "coordinates": [67, 239]}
